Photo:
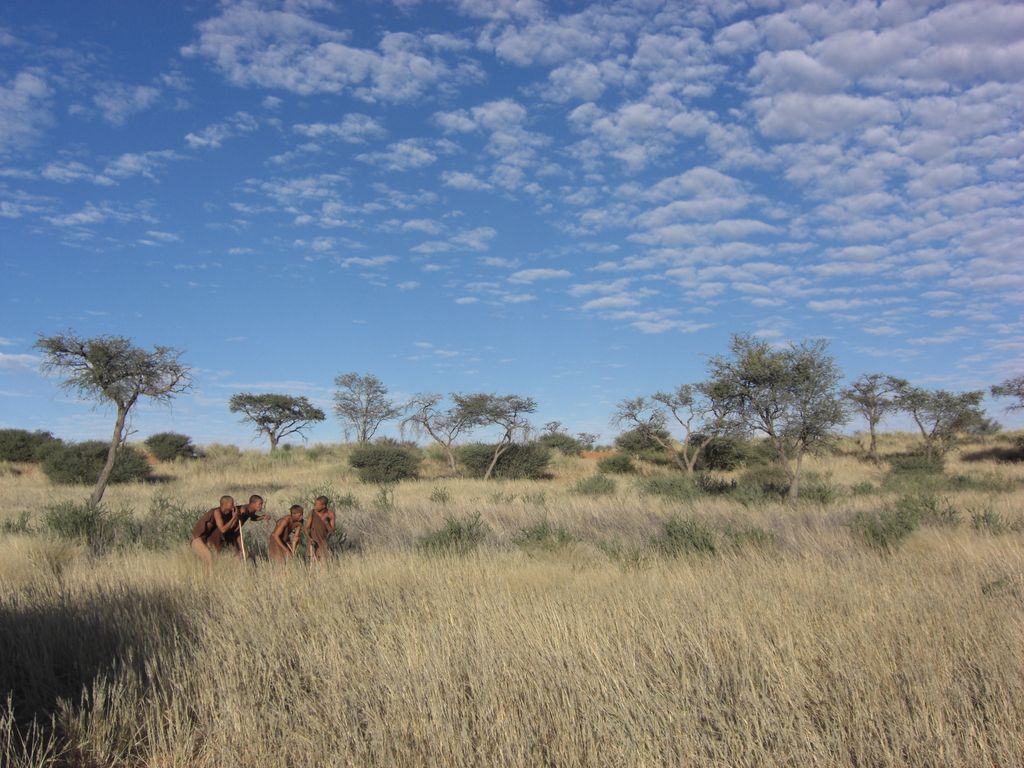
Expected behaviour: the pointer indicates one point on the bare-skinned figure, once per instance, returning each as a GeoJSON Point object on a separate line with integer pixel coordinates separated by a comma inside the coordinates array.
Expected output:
{"type": "Point", "coordinates": [219, 521]}
{"type": "Point", "coordinates": [285, 537]}
{"type": "Point", "coordinates": [231, 539]}
{"type": "Point", "coordinates": [319, 526]}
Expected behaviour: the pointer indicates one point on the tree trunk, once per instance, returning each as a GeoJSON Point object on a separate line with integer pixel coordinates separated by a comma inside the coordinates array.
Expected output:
{"type": "Point", "coordinates": [502, 447]}
{"type": "Point", "coordinates": [273, 441]}
{"type": "Point", "coordinates": [108, 468]}
{"type": "Point", "coordinates": [794, 485]}
{"type": "Point", "coordinates": [873, 444]}
{"type": "Point", "coordinates": [450, 454]}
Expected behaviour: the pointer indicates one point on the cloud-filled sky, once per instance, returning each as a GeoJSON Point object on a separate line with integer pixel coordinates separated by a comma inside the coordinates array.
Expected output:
{"type": "Point", "coordinates": [576, 201]}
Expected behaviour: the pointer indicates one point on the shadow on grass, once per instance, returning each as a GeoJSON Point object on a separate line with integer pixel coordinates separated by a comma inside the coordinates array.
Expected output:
{"type": "Point", "coordinates": [54, 646]}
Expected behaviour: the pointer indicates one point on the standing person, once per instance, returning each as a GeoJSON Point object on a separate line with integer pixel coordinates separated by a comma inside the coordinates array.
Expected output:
{"type": "Point", "coordinates": [319, 526]}
{"type": "Point", "coordinates": [232, 537]}
{"type": "Point", "coordinates": [217, 521]}
{"type": "Point", "coordinates": [286, 535]}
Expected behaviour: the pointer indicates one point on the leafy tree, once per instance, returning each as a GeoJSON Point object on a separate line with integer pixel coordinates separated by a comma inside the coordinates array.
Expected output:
{"type": "Point", "coordinates": [693, 407]}
{"type": "Point", "coordinates": [24, 446]}
{"type": "Point", "coordinates": [443, 425]}
{"type": "Point", "coordinates": [1012, 388]}
{"type": "Point", "coordinates": [385, 462]}
{"type": "Point", "coordinates": [788, 394]}
{"type": "Point", "coordinates": [167, 446]}
{"type": "Point", "coordinates": [873, 395]}
{"type": "Point", "coordinates": [941, 415]}
{"type": "Point", "coordinates": [587, 440]}
{"type": "Point", "coordinates": [519, 461]}
{"type": "Point", "coordinates": [276, 416]}
{"type": "Point", "coordinates": [110, 369]}
{"type": "Point", "coordinates": [637, 442]}
{"type": "Point", "coordinates": [361, 404]}
{"type": "Point", "coordinates": [506, 412]}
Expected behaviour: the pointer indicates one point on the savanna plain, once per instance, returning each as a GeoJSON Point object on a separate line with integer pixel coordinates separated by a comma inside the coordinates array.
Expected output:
{"type": "Point", "coordinates": [637, 620]}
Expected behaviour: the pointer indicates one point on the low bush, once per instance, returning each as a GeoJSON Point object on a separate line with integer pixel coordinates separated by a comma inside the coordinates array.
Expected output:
{"type": "Point", "coordinates": [22, 524]}
{"type": "Point", "coordinates": [673, 487]}
{"type": "Point", "coordinates": [914, 464]}
{"type": "Point", "coordinates": [521, 461]}
{"type": "Point", "coordinates": [637, 441]}
{"type": "Point", "coordinates": [817, 489]}
{"type": "Point", "coordinates": [100, 527]}
{"type": "Point", "coordinates": [81, 463]}
{"type": "Point", "coordinates": [762, 482]}
{"type": "Point", "coordinates": [928, 508]}
{"type": "Point", "coordinates": [595, 485]}
{"type": "Point", "coordinates": [440, 495]}
{"type": "Point", "coordinates": [544, 535]}
{"type": "Point", "coordinates": [385, 463]}
{"type": "Point", "coordinates": [987, 520]}
{"type": "Point", "coordinates": [456, 536]}
{"type": "Point", "coordinates": [23, 446]}
{"type": "Point", "coordinates": [713, 486]}
{"type": "Point", "coordinates": [722, 453]}
{"type": "Point", "coordinates": [884, 530]}
{"type": "Point", "coordinates": [168, 522]}
{"type": "Point", "coordinates": [616, 464]}
{"type": "Point", "coordinates": [561, 442]}
{"type": "Point", "coordinates": [168, 446]}
{"type": "Point", "coordinates": [681, 536]}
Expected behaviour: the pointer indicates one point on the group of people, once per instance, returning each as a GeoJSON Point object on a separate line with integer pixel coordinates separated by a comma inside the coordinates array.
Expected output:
{"type": "Point", "coordinates": [220, 529]}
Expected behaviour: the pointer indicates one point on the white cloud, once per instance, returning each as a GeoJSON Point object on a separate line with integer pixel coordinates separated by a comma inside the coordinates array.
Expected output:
{"type": "Point", "coordinates": [354, 128]}
{"type": "Point", "coordinates": [118, 101]}
{"type": "Point", "coordinates": [533, 275]}
{"type": "Point", "coordinates": [212, 136]}
{"type": "Point", "coordinates": [18, 362]}
{"type": "Point", "coordinates": [24, 109]}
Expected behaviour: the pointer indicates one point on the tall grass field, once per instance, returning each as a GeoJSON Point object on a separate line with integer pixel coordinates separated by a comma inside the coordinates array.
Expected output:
{"type": "Point", "coordinates": [588, 619]}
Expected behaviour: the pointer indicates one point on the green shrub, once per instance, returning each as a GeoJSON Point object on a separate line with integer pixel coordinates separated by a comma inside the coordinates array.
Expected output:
{"type": "Point", "coordinates": [521, 461]}
{"type": "Point", "coordinates": [81, 463]}
{"type": "Point", "coordinates": [385, 463]}
{"type": "Point", "coordinates": [884, 530]}
{"type": "Point", "coordinates": [168, 522]}
{"type": "Point", "coordinates": [595, 485]}
{"type": "Point", "coordinates": [658, 458]}
{"type": "Point", "coordinates": [763, 481]}
{"type": "Point", "coordinates": [713, 486]}
{"type": "Point", "coordinates": [928, 508]}
{"type": "Point", "coordinates": [817, 489]}
{"type": "Point", "coordinates": [544, 535]}
{"type": "Point", "coordinates": [673, 487]}
{"type": "Point", "coordinates": [987, 520]}
{"type": "Point", "coordinates": [384, 500]}
{"type": "Point", "coordinates": [561, 442]}
{"type": "Point", "coordinates": [914, 464]}
{"type": "Point", "coordinates": [637, 441]}
{"type": "Point", "coordinates": [20, 445]}
{"type": "Point", "coordinates": [722, 453]}
{"type": "Point", "coordinates": [168, 446]}
{"type": "Point", "coordinates": [457, 536]}
{"type": "Point", "coordinates": [18, 525]}
{"type": "Point", "coordinates": [440, 495]}
{"type": "Point", "coordinates": [616, 464]}
{"type": "Point", "coordinates": [102, 528]}
{"type": "Point", "coordinates": [681, 536]}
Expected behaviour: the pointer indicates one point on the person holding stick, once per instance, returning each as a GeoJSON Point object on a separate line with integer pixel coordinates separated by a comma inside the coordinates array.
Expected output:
{"type": "Point", "coordinates": [319, 526]}
{"type": "Point", "coordinates": [218, 521]}
{"type": "Point", "coordinates": [285, 536]}
{"type": "Point", "coordinates": [232, 538]}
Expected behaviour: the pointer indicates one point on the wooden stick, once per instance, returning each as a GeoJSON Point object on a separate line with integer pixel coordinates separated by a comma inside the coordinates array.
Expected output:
{"type": "Point", "coordinates": [241, 540]}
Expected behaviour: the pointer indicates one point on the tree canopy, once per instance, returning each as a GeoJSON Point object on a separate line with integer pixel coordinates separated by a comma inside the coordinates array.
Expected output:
{"type": "Point", "coordinates": [276, 416]}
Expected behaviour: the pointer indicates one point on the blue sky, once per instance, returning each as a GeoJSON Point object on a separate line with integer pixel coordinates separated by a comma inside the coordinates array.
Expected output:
{"type": "Point", "coordinates": [579, 202]}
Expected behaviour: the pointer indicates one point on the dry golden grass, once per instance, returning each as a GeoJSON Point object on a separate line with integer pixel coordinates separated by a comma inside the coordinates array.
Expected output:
{"type": "Point", "coordinates": [812, 651]}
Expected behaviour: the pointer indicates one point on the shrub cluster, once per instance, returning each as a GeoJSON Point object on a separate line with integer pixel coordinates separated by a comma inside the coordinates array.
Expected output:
{"type": "Point", "coordinates": [521, 461]}
{"type": "Point", "coordinates": [457, 536]}
{"type": "Point", "coordinates": [23, 446]}
{"type": "Point", "coordinates": [544, 535]}
{"type": "Point", "coordinates": [385, 462]}
{"type": "Point", "coordinates": [168, 446]}
{"type": "Point", "coordinates": [595, 485]}
{"type": "Point", "coordinates": [81, 463]}
{"type": "Point", "coordinates": [559, 441]}
{"type": "Point", "coordinates": [638, 441]}
{"type": "Point", "coordinates": [616, 464]}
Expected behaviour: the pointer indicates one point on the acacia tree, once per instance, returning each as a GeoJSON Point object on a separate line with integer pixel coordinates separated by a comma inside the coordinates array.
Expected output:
{"type": "Point", "coordinates": [873, 395]}
{"type": "Point", "coordinates": [361, 404]}
{"type": "Point", "coordinates": [790, 395]}
{"type": "Point", "coordinates": [111, 369]}
{"type": "Point", "coordinates": [443, 425]}
{"type": "Point", "coordinates": [1012, 388]}
{"type": "Point", "coordinates": [587, 440]}
{"type": "Point", "coordinates": [941, 415]}
{"type": "Point", "coordinates": [507, 412]}
{"type": "Point", "coordinates": [694, 407]}
{"type": "Point", "coordinates": [276, 416]}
